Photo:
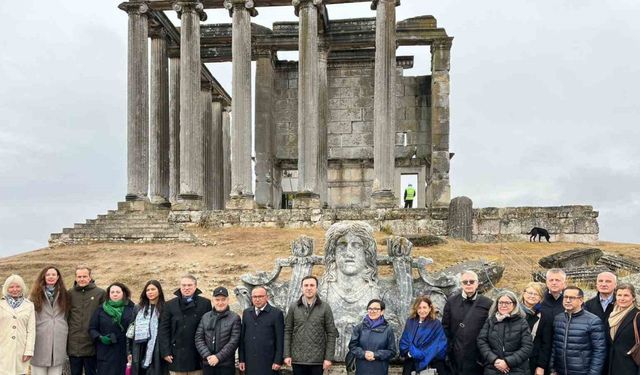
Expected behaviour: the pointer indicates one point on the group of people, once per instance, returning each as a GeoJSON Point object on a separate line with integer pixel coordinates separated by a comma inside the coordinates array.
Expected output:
{"type": "Point", "coordinates": [546, 330]}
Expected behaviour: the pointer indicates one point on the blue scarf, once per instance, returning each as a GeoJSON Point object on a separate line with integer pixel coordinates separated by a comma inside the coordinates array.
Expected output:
{"type": "Point", "coordinates": [14, 302]}
{"type": "Point", "coordinates": [146, 330]}
{"type": "Point", "coordinates": [374, 323]}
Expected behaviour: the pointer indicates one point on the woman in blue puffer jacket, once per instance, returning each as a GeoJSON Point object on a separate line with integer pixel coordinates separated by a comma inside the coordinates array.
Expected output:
{"type": "Point", "coordinates": [373, 343]}
{"type": "Point", "coordinates": [423, 343]}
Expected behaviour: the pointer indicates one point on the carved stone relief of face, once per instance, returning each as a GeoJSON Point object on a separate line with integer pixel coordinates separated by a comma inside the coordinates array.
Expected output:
{"type": "Point", "coordinates": [350, 256]}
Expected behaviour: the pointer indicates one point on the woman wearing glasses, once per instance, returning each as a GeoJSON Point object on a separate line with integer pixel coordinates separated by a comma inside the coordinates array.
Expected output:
{"type": "Point", "coordinates": [621, 332]}
{"type": "Point", "coordinates": [373, 343]}
{"type": "Point", "coordinates": [505, 342]}
{"type": "Point", "coordinates": [423, 343]}
{"type": "Point", "coordinates": [530, 303]}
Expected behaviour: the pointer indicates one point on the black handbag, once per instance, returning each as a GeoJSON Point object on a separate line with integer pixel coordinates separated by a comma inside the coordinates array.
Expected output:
{"type": "Point", "coordinates": [350, 362]}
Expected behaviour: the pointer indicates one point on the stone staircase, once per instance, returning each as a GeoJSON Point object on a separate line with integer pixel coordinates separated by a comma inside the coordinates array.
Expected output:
{"type": "Point", "coordinates": [132, 222]}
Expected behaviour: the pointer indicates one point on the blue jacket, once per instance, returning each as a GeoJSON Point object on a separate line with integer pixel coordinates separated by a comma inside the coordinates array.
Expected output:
{"type": "Point", "coordinates": [579, 346]}
{"type": "Point", "coordinates": [425, 342]}
{"type": "Point", "coordinates": [380, 340]}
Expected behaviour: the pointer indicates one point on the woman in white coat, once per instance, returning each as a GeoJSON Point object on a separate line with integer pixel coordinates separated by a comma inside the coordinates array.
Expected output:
{"type": "Point", "coordinates": [51, 302]}
{"type": "Point", "coordinates": [17, 328]}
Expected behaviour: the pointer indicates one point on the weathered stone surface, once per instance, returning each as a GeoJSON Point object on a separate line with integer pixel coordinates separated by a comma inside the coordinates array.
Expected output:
{"type": "Point", "coordinates": [572, 258]}
{"type": "Point", "coordinates": [460, 223]}
{"type": "Point", "coordinates": [617, 263]}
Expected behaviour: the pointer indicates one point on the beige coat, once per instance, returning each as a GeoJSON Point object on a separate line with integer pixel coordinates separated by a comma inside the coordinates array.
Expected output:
{"type": "Point", "coordinates": [17, 336]}
{"type": "Point", "coordinates": [51, 335]}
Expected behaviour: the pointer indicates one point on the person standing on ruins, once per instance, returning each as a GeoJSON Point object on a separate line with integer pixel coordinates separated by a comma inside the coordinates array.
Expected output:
{"type": "Point", "coordinates": [309, 332]}
{"type": "Point", "coordinates": [85, 298]}
{"type": "Point", "coordinates": [464, 315]}
{"type": "Point", "coordinates": [550, 307]}
{"type": "Point", "coordinates": [409, 196]}
{"type": "Point", "coordinates": [178, 325]}
{"type": "Point", "coordinates": [261, 323]}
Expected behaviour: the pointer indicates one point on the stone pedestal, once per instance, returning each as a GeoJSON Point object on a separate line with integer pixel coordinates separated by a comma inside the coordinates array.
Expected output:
{"type": "Point", "coordinates": [383, 199]}
{"type": "Point", "coordinates": [191, 145]}
{"type": "Point", "coordinates": [384, 99]}
{"type": "Point", "coordinates": [159, 124]}
{"type": "Point", "coordinates": [438, 186]}
{"type": "Point", "coordinates": [241, 174]}
{"type": "Point", "coordinates": [306, 199]}
{"type": "Point", "coordinates": [174, 129]}
{"type": "Point", "coordinates": [237, 202]}
{"type": "Point", "coordinates": [137, 101]}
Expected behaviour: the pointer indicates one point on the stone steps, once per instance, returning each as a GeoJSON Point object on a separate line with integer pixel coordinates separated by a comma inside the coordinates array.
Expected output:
{"type": "Point", "coordinates": [132, 221]}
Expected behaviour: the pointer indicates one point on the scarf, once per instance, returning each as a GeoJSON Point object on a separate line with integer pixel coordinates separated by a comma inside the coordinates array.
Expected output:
{"type": "Point", "coordinates": [616, 317]}
{"type": "Point", "coordinates": [535, 312]}
{"type": "Point", "coordinates": [374, 323]}
{"type": "Point", "coordinates": [115, 309]}
{"type": "Point", "coordinates": [50, 293]}
{"type": "Point", "coordinates": [14, 302]}
{"type": "Point", "coordinates": [501, 317]}
{"type": "Point", "coordinates": [146, 330]}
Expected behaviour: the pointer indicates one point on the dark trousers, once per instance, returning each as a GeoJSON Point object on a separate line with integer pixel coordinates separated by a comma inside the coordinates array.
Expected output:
{"type": "Point", "coordinates": [408, 203]}
{"type": "Point", "coordinates": [88, 364]}
{"type": "Point", "coordinates": [208, 370]}
{"type": "Point", "coordinates": [410, 365]}
{"type": "Point", "coordinates": [307, 369]}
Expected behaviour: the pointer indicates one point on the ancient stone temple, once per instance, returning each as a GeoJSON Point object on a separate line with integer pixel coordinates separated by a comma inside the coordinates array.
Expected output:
{"type": "Point", "coordinates": [343, 118]}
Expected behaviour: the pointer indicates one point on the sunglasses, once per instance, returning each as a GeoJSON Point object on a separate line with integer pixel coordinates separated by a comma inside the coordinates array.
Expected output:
{"type": "Point", "coordinates": [468, 282]}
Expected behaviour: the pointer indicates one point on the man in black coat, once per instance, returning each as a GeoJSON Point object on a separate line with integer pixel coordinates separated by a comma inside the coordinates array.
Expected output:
{"type": "Point", "coordinates": [176, 333]}
{"type": "Point", "coordinates": [464, 315]}
{"type": "Point", "coordinates": [262, 336]}
{"type": "Point", "coordinates": [550, 307]}
{"type": "Point", "coordinates": [602, 304]}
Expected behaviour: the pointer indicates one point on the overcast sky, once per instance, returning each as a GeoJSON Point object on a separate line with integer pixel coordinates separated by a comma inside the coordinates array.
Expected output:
{"type": "Point", "coordinates": [545, 107]}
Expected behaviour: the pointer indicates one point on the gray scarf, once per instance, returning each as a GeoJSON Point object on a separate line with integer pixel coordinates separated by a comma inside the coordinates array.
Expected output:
{"type": "Point", "coordinates": [146, 330]}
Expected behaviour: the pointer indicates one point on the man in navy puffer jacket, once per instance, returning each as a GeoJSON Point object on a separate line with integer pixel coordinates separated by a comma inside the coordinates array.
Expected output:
{"type": "Point", "coordinates": [579, 346]}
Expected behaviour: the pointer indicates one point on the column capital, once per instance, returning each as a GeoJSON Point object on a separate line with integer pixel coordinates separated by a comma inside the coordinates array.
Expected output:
{"type": "Point", "coordinates": [249, 5]}
{"type": "Point", "coordinates": [374, 3]}
{"type": "Point", "coordinates": [441, 44]}
{"type": "Point", "coordinates": [135, 7]}
{"type": "Point", "coordinates": [226, 109]}
{"type": "Point", "coordinates": [156, 30]}
{"type": "Point", "coordinates": [301, 3]}
{"type": "Point", "coordinates": [190, 7]}
{"type": "Point", "coordinates": [206, 85]}
{"type": "Point", "coordinates": [263, 52]}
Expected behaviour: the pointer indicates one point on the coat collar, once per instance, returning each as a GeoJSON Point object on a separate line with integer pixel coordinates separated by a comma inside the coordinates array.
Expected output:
{"type": "Point", "coordinates": [317, 302]}
{"type": "Point", "coordinates": [626, 321]}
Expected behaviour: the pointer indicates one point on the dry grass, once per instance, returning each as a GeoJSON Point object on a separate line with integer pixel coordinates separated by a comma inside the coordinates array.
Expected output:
{"type": "Point", "coordinates": [228, 253]}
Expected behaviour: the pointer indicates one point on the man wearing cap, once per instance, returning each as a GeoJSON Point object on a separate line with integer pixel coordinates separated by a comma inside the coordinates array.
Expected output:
{"type": "Point", "coordinates": [218, 336]}
{"type": "Point", "coordinates": [180, 319]}
{"type": "Point", "coordinates": [262, 336]}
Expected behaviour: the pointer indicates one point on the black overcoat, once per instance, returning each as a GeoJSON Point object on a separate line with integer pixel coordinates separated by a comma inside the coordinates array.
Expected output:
{"type": "Point", "coordinates": [158, 365]}
{"type": "Point", "coordinates": [549, 309]}
{"type": "Point", "coordinates": [619, 362]}
{"type": "Point", "coordinates": [509, 340]}
{"type": "Point", "coordinates": [112, 359]}
{"type": "Point", "coordinates": [262, 340]}
{"type": "Point", "coordinates": [462, 331]}
{"type": "Point", "coordinates": [177, 331]}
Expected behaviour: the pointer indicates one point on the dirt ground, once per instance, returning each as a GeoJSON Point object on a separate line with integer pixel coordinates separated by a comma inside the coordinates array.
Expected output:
{"type": "Point", "coordinates": [225, 254]}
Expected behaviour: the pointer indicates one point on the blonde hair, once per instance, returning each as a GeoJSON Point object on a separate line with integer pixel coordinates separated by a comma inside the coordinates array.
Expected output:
{"type": "Point", "coordinates": [540, 288]}
{"type": "Point", "coordinates": [14, 279]}
{"type": "Point", "coordinates": [414, 308]}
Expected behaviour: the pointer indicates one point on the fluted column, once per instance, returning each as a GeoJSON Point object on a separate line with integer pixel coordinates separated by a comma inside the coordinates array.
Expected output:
{"type": "Point", "coordinates": [226, 152]}
{"type": "Point", "coordinates": [241, 174]}
{"type": "Point", "coordinates": [438, 185]}
{"type": "Point", "coordinates": [217, 157]}
{"type": "Point", "coordinates": [137, 102]}
{"type": "Point", "coordinates": [159, 121]}
{"type": "Point", "coordinates": [264, 140]}
{"type": "Point", "coordinates": [206, 117]}
{"type": "Point", "coordinates": [174, 129]}
{"type": "Point", "coordinates": [308, 115]}
{"type": "Point", "coordinates": [384, 105]}
{"type": "Point", "coordinates": [323, 113]}
{"type": "Point", "coordinates": [191, 146]}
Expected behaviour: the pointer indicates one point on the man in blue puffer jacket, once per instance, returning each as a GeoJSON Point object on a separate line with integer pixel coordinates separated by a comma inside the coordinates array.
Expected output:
{"type": "Point", "coordinates": [579, 346]}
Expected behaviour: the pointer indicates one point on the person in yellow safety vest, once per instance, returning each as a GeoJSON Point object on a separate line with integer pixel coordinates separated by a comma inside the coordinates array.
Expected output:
{"type": "Point", "coordinates": [409, 195]}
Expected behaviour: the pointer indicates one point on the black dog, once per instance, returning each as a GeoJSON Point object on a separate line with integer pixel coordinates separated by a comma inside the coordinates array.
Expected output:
{"type": "Point", "coordinates": [540, 232]}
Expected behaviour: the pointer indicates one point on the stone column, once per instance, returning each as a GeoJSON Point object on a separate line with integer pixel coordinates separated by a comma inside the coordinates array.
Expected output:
{"type": "Point", "coordinates": [137, 102]}
{"type": "Point", "coordinates": [217, 157]}
{"type": "Point", "coordinates": [438, 186]}
{"type": "Point", "coordinates": [323, 113]}
{"type": "Point", "coordinates": [206, 117]}
{"type": "Point", "coordinates": [308, 115]}
{"type": "Point", "coordinates": [241, 174]}
{"type": "Point", "coordinates": [174, 129]}
{"type": "Point", "coordinates": [191, 146]}
{"type": "Point", "coordinates": [226, 152]}
{"type": "Point", "coordinates": [384, 105]}
{"type": "Point", "coordinates": [159, 124]}
{"type": "Point", "coordinates": [264, 141]}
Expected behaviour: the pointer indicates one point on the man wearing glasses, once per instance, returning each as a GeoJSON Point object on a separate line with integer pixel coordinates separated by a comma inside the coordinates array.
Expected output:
{"type": "Point", "coordinates": [464, 315]}
{"type": "Point", "coordinates": [579, 346]}
{"type": "Point", "coordinates": [262, 336]}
